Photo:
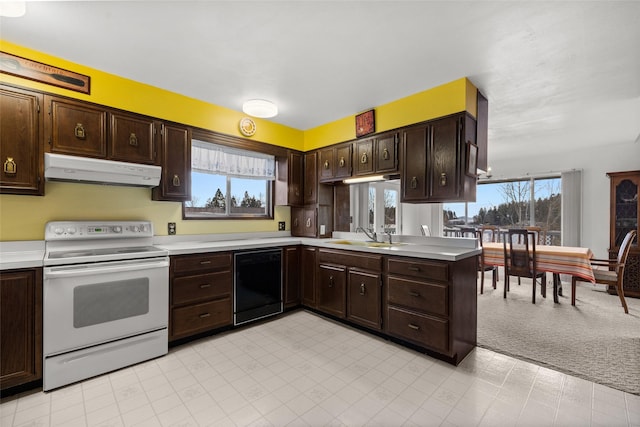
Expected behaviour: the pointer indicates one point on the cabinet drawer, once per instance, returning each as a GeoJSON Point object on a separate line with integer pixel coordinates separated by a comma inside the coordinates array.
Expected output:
{"type": "Point", "coordinates": [423, 330]}
{"type": "Point", "coordinates": [200, 317]}
{"type": "Point", "coordinates": [189, 263]}
{"type": "Point", "coordinates": [201, 287]}
{"type": "Point", "coordinates": [426, 297]}
{"type": "Point", "coordinates": [422, 269]}
{"type": "Point", "coordinates": [359, 261]}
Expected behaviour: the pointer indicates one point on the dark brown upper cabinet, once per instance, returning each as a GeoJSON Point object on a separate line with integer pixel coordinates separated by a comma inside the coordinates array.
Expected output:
{"type": "Point", "coordinates": [435, 167]}
{"type": "Point", "coordinates": [289, 180]}
{"type": "Point", "coordinates": [175, 158]}
{"type": "Point", "coordinates": [335, 163]}
{"type": "Point", "coordinates": [376, 155]}
{"type": "Point", "coordinates": [76, 128]}
{"type": "Point", "coordinates": [21, 142]}
{"type": "Point", "coordinates": [132, 139]}
{"type": "Point", "coordinates": [310, 178]}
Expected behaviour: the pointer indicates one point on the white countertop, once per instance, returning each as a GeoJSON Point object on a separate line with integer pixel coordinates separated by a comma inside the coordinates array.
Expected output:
{"type": "Point", "coordinates": [29, 254]}
{"type": "Point", "coordinates": [22, 254]}
{"type": "Point", "coordinates": [445, 249]}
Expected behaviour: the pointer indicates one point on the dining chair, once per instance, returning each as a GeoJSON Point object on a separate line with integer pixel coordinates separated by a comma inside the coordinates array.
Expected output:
{"type": "Point", "coordinates": [520, 260]}
{"type": "Point", "coordinates": [614, 274]}
{"type": "Point", "coordinates": [468, 232]}
{"type": "Point", "coordinates": [483, 268]}
{"type": "Point", "coordinates": [540, 234]}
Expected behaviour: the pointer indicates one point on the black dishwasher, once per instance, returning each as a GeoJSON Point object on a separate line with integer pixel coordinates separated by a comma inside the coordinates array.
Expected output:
{"type": "Point", "coordinates": [257, 284]}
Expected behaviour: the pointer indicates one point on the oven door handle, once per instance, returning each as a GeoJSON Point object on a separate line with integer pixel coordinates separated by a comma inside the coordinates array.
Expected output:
{"type": "Point", "coordinates": [71, 272]}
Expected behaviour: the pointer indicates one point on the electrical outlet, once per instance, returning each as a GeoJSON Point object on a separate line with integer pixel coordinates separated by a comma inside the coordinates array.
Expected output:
{"type": "Point", "coordinates": [171, 228]}
{"type": "Point", "coordinates": [281, 225]}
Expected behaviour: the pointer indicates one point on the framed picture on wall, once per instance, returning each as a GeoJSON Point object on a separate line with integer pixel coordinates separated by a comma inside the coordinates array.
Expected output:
{"type": "Point", "coordinates": [365, 123]}
{"type": "Point", "coordinates": [472, 159]}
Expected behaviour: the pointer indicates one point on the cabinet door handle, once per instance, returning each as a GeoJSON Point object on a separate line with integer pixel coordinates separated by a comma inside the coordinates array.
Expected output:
{"type": "Point", "coordinates": [414, 183]}
{"type": "Point", "coordinates": [385, 154]}
{"type": "Point", "coordinates": [133, 140]}
{"type": "Point", "coordinates": [363, 289]}
{"type": "Point", "coordinates": [205, 262]}
{"type": "Point", "coordinates": [308, 223]}
{"type": "Point", "coordinates": [414, 294]}
{"type": "Point", "coordinates": [176, 181]}
{"type": "Point", "coordinates": [205, 285]}
{"type": "Point", "coordinates": [414, 327]}
{"type": "Point", "coordinates": [331, 281]}
{"type": "Point", "coordinates": [364, 158]}
{"type": "Point", "coordinates": [326, 164]}
{"type": "Point", "coordinates": [205, 315]}
{"type": "Point", "coordinates": [10, 167]}
{"type": "Point", "coordinates": [79, 131]}
{"type": "Point", "coordinates": [413, 268]}
{"type": "Point", "coordinates": [295, 222]}
{"type": "Point", "coordinates": [341, 162]}
{"type": "Point", "coordinates": [443, 179]}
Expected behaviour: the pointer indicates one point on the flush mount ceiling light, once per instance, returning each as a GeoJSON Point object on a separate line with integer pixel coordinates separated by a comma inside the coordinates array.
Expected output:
{"type": "Point", "coordinates": [13, 9]}
{"type": "Point", "coordinates": [260, 108]}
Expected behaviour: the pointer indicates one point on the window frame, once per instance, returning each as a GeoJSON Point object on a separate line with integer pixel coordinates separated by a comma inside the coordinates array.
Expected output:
{"type": "Point", "coordinates": [238, 144]}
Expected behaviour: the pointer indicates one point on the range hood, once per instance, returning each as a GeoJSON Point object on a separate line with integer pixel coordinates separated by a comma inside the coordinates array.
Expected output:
{"type": "Point", "coordinates": [97, 171]}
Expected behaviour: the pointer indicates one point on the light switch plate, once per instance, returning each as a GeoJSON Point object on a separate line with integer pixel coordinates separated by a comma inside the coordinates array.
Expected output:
{"type": "Point", "coordinates": [322, 229]}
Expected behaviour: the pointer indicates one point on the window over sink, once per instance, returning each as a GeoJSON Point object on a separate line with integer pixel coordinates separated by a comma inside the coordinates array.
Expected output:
{"type": "Point", "coordinates": [229, 183]}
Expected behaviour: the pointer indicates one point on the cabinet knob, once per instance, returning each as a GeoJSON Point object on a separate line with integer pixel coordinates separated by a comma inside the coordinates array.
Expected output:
{"type": "Point", "coordinates": [176, 181]}
{"type": "Point", "coordinates": [308, 224]}
{"type": "Point", "coordinates": [10, 167]}
{"type": "Point", "coordinates": [364, 158]}
{"type": "Point", "coordinates": [79, 131]}
{"type": "Point", "coordinates": [331, 281]}
{"type": "Point", "coordinates": [295, 222]}
{"type": "Point", "coordinates": [414, 183]}
{"type": "Point", "coordinates": [341, 162]}
{"type": "Point", "coordinates": [385, 154]}
{"type": "Point", "coordinates": [443, 179]}
{"type": "Point", "coordinates": [133, 140]}
{"type": "Point", "coordinates": [363, 289]}
{"type": "Point", "coordinates": [326, 164]}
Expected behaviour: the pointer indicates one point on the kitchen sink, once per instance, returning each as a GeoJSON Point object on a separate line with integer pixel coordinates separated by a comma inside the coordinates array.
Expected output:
{"type": "Point", "coordinates": [369, 244]}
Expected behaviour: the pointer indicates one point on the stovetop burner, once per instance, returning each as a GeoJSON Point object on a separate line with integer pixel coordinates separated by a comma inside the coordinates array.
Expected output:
{"type": "Point", "coordinates": [74, 242]}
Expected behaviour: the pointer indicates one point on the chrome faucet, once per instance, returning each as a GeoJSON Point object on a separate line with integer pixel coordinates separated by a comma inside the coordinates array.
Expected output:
{"type": "Point", "coordinates": [370, 234]}
{"type": "Point", "coordinates": [388, 233]}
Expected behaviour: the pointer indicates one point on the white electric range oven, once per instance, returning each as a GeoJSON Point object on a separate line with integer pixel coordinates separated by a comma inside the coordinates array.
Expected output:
{"type": "Point", "coordinates": [106, 298]}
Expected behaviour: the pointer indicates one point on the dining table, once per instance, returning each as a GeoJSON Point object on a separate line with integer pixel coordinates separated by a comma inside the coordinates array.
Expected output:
{"type": "Point", "coordinates": [574, 261]}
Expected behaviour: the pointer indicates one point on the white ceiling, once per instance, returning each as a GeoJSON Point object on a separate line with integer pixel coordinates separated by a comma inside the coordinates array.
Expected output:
{"type": "Point", "coordinates": [558, 75]}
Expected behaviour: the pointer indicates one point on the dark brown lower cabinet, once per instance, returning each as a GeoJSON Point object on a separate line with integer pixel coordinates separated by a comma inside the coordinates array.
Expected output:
{"type": "Point", "coordinates": [364, 298]}
{"type": "Point", "coordinates": [20, 327]}
{"type": "Point", "coordinates": [308, 276]}
{"type": "Point", "coordinates": [332, 281]}
{"type": "Point", "coordinates": [201, 288]}
{"type": "Point", "coordinates": [292, 273]}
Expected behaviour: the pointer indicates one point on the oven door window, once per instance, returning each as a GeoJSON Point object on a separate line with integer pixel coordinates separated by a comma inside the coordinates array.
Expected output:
{"type": "Point", "coordinates": [105, 302]}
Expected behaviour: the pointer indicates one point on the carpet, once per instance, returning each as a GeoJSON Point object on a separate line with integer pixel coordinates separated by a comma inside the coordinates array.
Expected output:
{"type": "Point", "coordinates": [594, 340]}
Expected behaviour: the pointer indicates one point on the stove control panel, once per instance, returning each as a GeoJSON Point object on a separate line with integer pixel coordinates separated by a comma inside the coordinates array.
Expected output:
{"type": "Point", "coordinates": [77, 230]}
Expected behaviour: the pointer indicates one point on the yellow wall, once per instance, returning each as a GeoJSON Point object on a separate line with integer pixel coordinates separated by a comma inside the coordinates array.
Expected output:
{"type": "Point", "coordinates": [24, 217]}
{"type": "Point", "coordinates": [458, 95]}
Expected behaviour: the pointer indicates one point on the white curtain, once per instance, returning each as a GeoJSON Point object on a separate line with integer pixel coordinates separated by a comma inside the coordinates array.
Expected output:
{"type": "Point", "coordinates": [219, 159]}
{"type": "Point", "coordinates": [571, 207]}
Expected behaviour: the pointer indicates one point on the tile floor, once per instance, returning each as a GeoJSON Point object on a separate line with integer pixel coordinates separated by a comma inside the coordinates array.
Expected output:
{"type": "Point", "coordinates": [303, 370]}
